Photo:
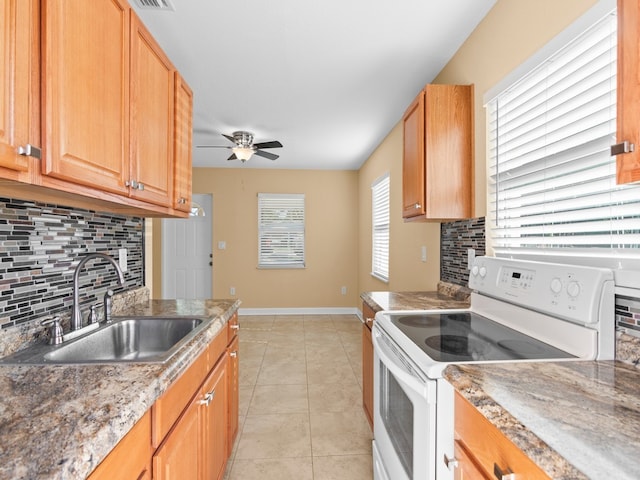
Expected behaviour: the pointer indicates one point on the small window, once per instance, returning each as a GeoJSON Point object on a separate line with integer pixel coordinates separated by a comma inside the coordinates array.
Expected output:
{"type": "Point", "coordinates": [280, 230]}
{"type": "Point", "coordinates": [380, 228]}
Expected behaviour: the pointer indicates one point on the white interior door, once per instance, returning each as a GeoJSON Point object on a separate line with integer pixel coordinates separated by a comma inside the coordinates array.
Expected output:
{"type": "Point", "coordinates": [187, 254]}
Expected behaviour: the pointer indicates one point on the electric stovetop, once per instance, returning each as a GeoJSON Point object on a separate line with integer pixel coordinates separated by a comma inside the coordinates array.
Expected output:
{"type": "Point", "coordinates": [467, 336]}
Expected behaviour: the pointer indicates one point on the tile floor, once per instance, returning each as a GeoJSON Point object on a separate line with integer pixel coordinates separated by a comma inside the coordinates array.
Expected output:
{"type": "Point", "coordinates": [300, 400]}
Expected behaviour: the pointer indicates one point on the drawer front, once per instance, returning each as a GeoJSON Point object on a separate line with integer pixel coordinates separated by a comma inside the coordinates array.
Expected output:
{"type": "Point", "coordinates": [489, 448]}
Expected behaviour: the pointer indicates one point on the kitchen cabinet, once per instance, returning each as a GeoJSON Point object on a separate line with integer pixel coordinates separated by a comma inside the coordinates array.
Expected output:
{"type": "Point", "coordinates": [233, 355]}
{"type": "Point", "coordinates": [104, 95]}
{"type": "Point", "coordinates": [213, 411]}
{"type": "Point", "coordinates": [19, 121]}
{"type": "Point", "coordinates": [628, 88]}
{"type": "Point", "coordinates": [131, 458]}
{"type": "Point", "coordinates": [183, 133]}
{"type": "Point", "coordinates": [367, 362]}
{"type": "Point", "coordinates": [483, 452]}
{"type": "Point", "coordinates": [437, 162]}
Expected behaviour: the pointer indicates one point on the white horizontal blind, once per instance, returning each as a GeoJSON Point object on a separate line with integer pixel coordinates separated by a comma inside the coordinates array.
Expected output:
{"type": "Point", "coordinates": [380, 228]}
{"type": "Point", "coordinates": [552, 179]}
{"type": "Point", "coordinates": [281, 230]}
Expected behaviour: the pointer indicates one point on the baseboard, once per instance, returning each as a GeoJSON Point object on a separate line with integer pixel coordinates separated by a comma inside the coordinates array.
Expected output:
{"type": "Point", "coordinates": [300, 311]}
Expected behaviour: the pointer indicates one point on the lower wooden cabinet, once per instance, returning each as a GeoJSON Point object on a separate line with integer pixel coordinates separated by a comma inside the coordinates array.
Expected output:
{"type": "Point", "coordinates": [483, 452]}
{"type": "Point", "coordinates": [367, 363]}
{"type": "Point", "coordinates": [131, 459]}
{"type": "Point", "coordinates": [233, 352]}
{"type": "Point", "coordinates": [213, 420]}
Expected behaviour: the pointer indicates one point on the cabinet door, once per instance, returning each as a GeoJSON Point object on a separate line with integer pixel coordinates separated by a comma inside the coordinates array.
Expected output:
{"type": "Point", "coordinates": [179, 455]}
{"type": "Point", "coordinates": [234, 389]}
{"type": "Point", "coordinates": [367, 373]}
{"type": "Point", "coordinates": [18, 85]}
{"type": "Point", "coordinates": [413, 158]}
{"type": "Point", "coordinates": [86, 92]}
{"type": "Point", "coordinates": [183, 134]}
{"type": "Point", "coordinates": [628, 114]}
{"type": "Point", "coordinates": [467, 468]}
{"type": "Point", "coordinates": [152, 92]}
{"type": "Point", "coordinates": [214, 422]}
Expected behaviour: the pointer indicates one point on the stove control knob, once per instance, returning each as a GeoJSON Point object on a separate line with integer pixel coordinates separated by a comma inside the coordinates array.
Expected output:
{"type": "Point", "coordinates": [483, 272]}
{"type": "Point", "coordinates": [474, 270]}
{"type": "Point", "coordinates": [556, 285]}
{"type": "Point", "coordinates": [573, 289]}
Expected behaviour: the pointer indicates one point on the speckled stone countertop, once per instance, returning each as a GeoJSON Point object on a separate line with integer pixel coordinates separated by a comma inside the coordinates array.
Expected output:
{"type": "Point", "coordinates": [576, 420]}
{"type": "Point", "coordinates": [412, 300]}
{"type": "Point", "coordinates": [60, 421]}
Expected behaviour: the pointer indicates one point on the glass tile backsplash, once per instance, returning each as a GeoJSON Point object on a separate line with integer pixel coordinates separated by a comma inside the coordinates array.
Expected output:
{"type": "Point", "coordinates": [40, 245]}
{"type": "Point", "coordinates": [455, 239]}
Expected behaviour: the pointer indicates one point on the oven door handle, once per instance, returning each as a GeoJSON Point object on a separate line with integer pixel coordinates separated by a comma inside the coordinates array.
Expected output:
{"type": "Point", "coordinates": [414, 382]}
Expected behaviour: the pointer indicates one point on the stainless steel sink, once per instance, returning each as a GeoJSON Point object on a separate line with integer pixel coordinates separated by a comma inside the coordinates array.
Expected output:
{"type": "Point", "coordinates": [137, 339]}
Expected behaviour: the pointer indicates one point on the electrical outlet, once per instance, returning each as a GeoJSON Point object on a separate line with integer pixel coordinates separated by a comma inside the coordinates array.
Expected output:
{"type": "Point", "coordinates": [232, 291]}
{"type": "Point", "coordinates": [122, 259]}
{"type": "Point", "coordinates": [343, 290]}
{"type": "Point", "coordinates": [423, 253]}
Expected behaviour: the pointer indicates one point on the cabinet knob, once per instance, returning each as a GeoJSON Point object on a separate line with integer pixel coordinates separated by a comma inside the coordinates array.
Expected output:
{"type": "Point", "coordinates": [500, 474]}
{"type": "Point", "coordinates": [233, 354]}
{"type": "Point", "coordinates": [29, 150]}
{"type": "Point", "coordinates": [131, 183]}
{"type": "Point", "coordinates": [182, 201]}
{"type": "Point", "coordinates": [451, 463]}
{"type": "Point", "coordinates": [235, 327]}
{"type": "Point", "coordinates": [417, 206]}
{"type": "Point", "coordinates": [140, 186]}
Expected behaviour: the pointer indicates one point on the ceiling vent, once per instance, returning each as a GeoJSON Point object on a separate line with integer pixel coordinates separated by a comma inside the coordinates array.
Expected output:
{"type": "Point", "coordinates": [156, 5]}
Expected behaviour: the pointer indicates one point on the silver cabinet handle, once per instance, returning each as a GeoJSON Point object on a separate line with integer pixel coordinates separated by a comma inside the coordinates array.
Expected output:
{"type": "Point", "coordinates": [417, 205]}
{"type": "Point", "coordinates": [208, 397]}
{"type": "Point", "coordinates": [140, 186]}
{"type": "Point", "coordinates": [503, 475]}
{"type": "Point", "coordinates": [624, 147]}
{"type": "Point", "coordinates": [182, 201]}
{"type": "Point", "coordinates": [451, 463]}
{"type": "Point", "coordinates": [233, 354]}
{"type": "Point", "coordinates": [235, 327]}
{"type": "Point", "coordinates": [29, 150]}
{"type": "Point", "coordinates": [131, 183]}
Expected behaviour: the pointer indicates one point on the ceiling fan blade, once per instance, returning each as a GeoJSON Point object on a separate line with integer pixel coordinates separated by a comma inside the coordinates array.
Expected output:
{"type": "Point", "coordinates": [232, 157]}
{"type": "Point", "coordinates": [229, 137]}
{"type": "Point", "coordinates": [273, 144]}
{"type": "Point", "coordinates": [268, 155]}
{"type": "Point", "coordinates": [212, 146]}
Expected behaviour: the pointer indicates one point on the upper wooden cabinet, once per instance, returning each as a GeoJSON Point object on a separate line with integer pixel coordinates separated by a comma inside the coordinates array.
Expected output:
{"type": "Point", "coordinates": [87, 83]}
{"type": "Point", "coordinates": [86, 93]}
{"type": "Point", "coordinates": [19, 69]}
{"type": "Point", "coordinates": [437, 166]}
{"type": "Point", "coordinates": [628, 114]}
{"type": "Point", "coordinates": [183, 133]}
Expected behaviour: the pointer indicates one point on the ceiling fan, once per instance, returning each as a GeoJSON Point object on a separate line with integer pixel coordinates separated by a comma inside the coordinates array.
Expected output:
{"type": "Point", "coordinates": [244, 147]}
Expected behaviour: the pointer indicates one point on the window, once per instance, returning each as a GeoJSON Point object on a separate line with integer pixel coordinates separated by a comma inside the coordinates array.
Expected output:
{"type": "Point", "coordinates": [280, 230]}
{"type": "Point", "coordinates": [552, 180]}
{"type": "Point", "coordinates": [380, 228]}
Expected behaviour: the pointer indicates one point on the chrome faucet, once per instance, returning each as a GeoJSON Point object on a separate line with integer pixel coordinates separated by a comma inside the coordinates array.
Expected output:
{"type": "Point", "coordinates": [76, 315]}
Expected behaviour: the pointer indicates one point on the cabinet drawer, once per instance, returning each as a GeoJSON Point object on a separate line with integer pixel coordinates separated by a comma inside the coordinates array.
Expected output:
{"type": "Point", "coordinates": [489, 448]}
{"type": "Point", "coordinates": [170, 405]}
{"type": "Point", "coordinates": [368, 315]}
{"type": "Point", "coordinates": [131, 457]}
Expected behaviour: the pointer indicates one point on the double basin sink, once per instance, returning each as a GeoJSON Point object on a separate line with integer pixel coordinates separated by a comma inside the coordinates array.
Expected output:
{"type": "Point", "coordinates": [123, 340]}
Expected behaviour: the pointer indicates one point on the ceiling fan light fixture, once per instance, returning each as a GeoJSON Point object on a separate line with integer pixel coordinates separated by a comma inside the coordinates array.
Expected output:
{"type": "Point", "coordinates": [243, 153]}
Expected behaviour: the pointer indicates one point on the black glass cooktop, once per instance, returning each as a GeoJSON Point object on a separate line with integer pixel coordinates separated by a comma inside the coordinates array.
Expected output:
{"type": "Point", "coordinates": [467, 336]}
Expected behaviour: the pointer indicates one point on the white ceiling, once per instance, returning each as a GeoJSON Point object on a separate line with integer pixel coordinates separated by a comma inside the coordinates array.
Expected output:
{"type": "Point", "coordinates": [328, 79]}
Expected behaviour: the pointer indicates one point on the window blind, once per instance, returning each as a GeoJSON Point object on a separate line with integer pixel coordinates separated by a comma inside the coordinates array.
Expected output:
{"type": "Point", "coordinates": [380, 228]}
{"type": "Point", "coordinates": [551, 179]}
{"type": "Point", "coordinates": [281, 230]}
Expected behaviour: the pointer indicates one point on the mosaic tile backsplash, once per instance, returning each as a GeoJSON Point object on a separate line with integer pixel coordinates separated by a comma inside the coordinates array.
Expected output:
{"type": "Point", "coordinates": [455, 238]}
{"type": "Point", "coordinates": [40, 245]}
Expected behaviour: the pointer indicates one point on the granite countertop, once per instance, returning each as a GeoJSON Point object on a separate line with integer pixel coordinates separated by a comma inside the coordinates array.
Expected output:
{"type": "Point", "coordinates": [379, 301]}
{"type": "Point", "coordinates": [60, 421]}
{"type": "Point", "coordinates": [575, 419]}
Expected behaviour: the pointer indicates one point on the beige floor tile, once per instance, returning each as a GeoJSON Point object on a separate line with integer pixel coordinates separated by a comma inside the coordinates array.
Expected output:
{"type": "Point", "coordinates": [269, 399]}
{"type": "Point", "coordinates": [283, 372]}
{"type": "Point", "coordinates": [248, 372]}
{"type": "Point", "coordinates": [275, 436]}
{"type": "Point", "coordinates": [272, 469]}
{"type": "Point", "coordinates": [334, 397]}
{"type": "Point", "coordinates": [285, 338]}
{"type": "Point", "coordinates": [330, 373]}
{"type": "Point", "coordinates": [327, 337]}
{"type": "Point", "coordinates": [246, 393]}
{"type": "Point", "coordinates": [344, 467]}
{"type": "Point", "coordinates": [341, 433]}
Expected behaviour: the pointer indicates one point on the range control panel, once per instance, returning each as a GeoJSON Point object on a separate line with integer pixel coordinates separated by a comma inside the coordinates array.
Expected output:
{"type": "Point", "coordinates": [568, 291]}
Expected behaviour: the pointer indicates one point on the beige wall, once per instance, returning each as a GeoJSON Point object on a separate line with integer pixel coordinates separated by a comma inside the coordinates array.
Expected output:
{"type": "Point", "coordinates": [406, 270]}
{"type": "Point", "coordinates": [331, 201]}
{"type": "Point", "coordinates": [510, 33]}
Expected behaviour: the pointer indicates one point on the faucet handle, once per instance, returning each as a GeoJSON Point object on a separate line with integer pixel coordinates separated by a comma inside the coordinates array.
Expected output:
{"type": "Point", "coordinates": [55, 329]}
{"type": "Point", "coordinates": [93, 315]}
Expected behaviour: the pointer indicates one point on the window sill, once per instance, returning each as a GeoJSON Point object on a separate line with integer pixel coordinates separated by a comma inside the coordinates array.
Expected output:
{"type": "Point", "coordinates": [281, 267]}
{"type": "Point", "coordinates": [380, 277]}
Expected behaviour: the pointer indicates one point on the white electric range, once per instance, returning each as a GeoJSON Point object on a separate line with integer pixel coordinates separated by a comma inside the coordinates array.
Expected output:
{"type": "Point", "coordinates": [520, 311]}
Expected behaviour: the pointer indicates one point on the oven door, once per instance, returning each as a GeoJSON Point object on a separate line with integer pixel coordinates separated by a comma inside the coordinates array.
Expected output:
{"type": "Point", "coordinates": [404, 415]}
